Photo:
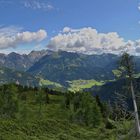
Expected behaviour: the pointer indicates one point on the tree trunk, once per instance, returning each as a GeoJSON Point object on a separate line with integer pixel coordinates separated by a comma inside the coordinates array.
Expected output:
{"type": "Point", "coordinates": [135, 110]}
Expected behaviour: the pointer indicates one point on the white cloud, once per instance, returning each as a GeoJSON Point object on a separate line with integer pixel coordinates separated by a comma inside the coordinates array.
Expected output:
{"type": "Point", "coordinates": [37, 5]}
{"type": "Point", "coordinates": [89, 41]}
{"type": "Point", "coordinates": [66, 30]}
{"type": "Point", "coordinates": [32, 4]}
{"type": "Point", "coordinates": [139, 6]}
{"type": "Point", "coordinates": [9, 31]}
{"type": "Point", "coordinates": [11, 37]}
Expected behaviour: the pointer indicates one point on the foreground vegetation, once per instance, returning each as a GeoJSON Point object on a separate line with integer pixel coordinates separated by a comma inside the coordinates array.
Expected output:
{"type": "Point", "coordinates": [43, 114]}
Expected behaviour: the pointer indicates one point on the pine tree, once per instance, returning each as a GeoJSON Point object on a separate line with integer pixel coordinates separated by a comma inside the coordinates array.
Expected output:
{"type": "Point", "coordinates": [47, 100]}
{"type": "Point", "coordinates": [86, 110]}
{"type": "Point", "coordinates": [127, 69]}
{"type": "Point", "coordinates": [40, 100]}
{"type": "Point", "coordinates": [9, 101]}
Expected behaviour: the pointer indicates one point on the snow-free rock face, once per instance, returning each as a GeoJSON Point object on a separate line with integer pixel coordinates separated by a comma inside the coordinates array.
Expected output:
{"type": "Point", "coordinates": [36, 55]}
{"type": "Point", "coordinates": [21, 62]}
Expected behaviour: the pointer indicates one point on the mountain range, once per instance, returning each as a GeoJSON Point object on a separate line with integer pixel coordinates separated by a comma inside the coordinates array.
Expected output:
{"type": "Point", "coordinates": [12, 76]}
{"type": "Point", "coordinates": [21, 62]}
{"type": "Point", "coordinates": [60, 68]}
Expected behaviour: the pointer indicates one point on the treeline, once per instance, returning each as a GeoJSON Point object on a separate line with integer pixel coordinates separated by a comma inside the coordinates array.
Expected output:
{"type": "Point", "coordinates": [13, 97]}
{"type": "Point", "coordinates": [83, 108]}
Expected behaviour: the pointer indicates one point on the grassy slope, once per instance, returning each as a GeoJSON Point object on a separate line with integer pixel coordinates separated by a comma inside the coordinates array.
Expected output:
{"type": "Point", "coordinates": [53, 124]}
{"type": "Point", "coordinates": [75, 85]}
{"type": "Point", "coordinates": [51, 84]}
{"type": "Point", "coordinates": [79, 85]}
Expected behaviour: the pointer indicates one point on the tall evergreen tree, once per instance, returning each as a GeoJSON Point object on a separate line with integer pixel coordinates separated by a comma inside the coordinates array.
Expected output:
{"type": "Point", "coordinates": [127, 69]}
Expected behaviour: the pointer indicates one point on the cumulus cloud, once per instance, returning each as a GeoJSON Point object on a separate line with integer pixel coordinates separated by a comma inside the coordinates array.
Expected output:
{"type": "Point", "coordinates": [11, 37]}
{"type": "Point", "coordinates": [90, 41]}
{"type": "Point", "coordinates": [38, 5]}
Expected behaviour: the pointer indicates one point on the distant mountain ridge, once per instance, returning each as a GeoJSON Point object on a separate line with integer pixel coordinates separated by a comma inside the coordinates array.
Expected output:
{"type": "Point", "coordinates": [62, 67]}
{"type": "Point", "coordinates": [23, 78]}
{"type": "Point", "coordinates": [66, 66]}
{"type": "Point", "coordinates": [21, 62]}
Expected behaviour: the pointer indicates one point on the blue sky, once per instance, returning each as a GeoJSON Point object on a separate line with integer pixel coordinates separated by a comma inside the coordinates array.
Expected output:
{"type": "Point", "coordinates": [121, 16]}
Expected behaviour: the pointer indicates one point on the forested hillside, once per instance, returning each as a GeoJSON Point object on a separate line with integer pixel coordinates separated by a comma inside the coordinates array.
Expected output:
{"type": "Point", "coordinates": [32, 113]}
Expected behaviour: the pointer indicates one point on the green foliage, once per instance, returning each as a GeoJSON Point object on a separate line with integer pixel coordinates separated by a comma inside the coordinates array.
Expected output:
{"type": "Point", "coordinates": [51, 129]}
{"type": "Point", "coordinates": [9, 104]}
{"type": "Point", "coordinates": [127, 65]}
{"type": "Point", "coordinates": [84, 109]}
{"type": "Point", "coordinates": [117, 73]}
{"type": "Point", "coordinates": [52, 121]}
